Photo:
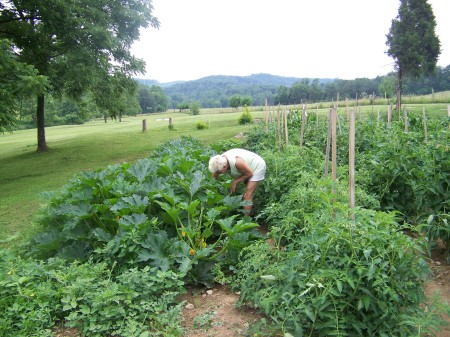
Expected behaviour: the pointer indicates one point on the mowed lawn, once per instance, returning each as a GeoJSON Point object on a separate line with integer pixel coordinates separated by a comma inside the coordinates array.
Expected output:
{"type": "Point", "coordinates": [25, 174]}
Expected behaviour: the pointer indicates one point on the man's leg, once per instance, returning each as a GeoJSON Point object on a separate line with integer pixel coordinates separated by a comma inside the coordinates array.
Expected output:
{"type": "Point", "coordinates": [248, 195]}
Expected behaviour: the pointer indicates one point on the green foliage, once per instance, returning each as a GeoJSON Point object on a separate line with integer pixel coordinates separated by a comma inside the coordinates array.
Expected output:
{"type": "Point", "coordinates": [205, 321]}
{"type": "Point", "coordinates": [212, 91]}
{"type": "Point", "coordinates": [412, 39]}
{"type": "Point", "coordinates": [437, 228]}
{"type": "Point", "coordinates": [194, 108]}
{"type": "Point", "coordinates": [183, 106]}
{"type": "Point", "coordinates": [412, 42]}
{"type": "Point", "coordinates": [246, 117]}
{"type": "Point", "coordinates": [387, 88]}
{"type": "Point", "coordinates": [201, 125]}
{"type": "Point", "coordinates": [235, 101]}
{"type": "Point", "coordinates": [36, 295]}
{"type": "Point", "coordinates": [17, 80]}
{"type": "Point", "coordinates": [80, 47]}
{"type": "Point", "coordinates": [339, 277]}
{"type": "Point", "coordinates": [139, 230]}
{"type": "Point", "coordinates": [406, 173]}
{"type": "Point", "coordinates": [329, 275]}
{"type": "Point", "coordinates": [162, 211]}
{"type": "Point", "coordinates": [152, 99]}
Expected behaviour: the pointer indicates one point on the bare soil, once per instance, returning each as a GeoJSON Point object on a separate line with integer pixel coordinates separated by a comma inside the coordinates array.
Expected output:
{"type": "Point", "coordinates": [213, 313]}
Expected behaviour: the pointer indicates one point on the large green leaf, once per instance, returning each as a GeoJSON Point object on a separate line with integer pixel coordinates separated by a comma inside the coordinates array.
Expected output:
{"type": "Point", "coordinates": [142, 169]}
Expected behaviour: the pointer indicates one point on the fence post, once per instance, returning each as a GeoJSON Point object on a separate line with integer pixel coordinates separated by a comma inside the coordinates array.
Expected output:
{"type": "Point", "coordinates": [144, 125]}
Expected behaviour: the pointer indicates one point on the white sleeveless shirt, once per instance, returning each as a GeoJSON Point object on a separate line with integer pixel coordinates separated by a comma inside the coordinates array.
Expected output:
{"type": "Point", "coordinates": [255, 162]}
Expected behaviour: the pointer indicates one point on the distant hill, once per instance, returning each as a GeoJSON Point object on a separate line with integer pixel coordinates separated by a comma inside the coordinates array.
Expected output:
{"type": "Point", "coordinates": [215, 91]}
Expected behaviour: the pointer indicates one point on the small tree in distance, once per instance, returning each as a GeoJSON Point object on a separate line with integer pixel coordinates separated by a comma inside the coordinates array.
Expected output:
{"type": "Point", "coordinates": [194, 108]}
{"type": "Point", "coordinates": [412, 41]}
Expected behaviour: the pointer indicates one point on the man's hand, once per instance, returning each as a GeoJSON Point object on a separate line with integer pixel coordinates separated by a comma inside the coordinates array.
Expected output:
{"type": "Point", "coordinates": [246, 173]}
{"type": "Point", "coordinates": [233, 186]}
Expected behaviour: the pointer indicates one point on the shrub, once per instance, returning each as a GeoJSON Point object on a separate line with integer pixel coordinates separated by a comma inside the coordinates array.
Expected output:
{"type": "Point", "coordinates": [246, 116]}
{"type": "Point", "coordinates": [201, 125]}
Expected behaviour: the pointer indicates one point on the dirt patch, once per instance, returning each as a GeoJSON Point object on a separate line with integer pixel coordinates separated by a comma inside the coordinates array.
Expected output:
{"type": "Point", "coordinates": [213, 312]}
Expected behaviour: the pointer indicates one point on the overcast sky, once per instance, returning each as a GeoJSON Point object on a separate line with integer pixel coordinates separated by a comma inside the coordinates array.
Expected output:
{"type": "Point", "coordinates": [343, 39]}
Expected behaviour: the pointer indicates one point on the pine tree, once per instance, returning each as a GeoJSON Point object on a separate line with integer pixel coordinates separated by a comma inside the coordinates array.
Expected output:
{"type": "Point", "coordinates": [412, 42]}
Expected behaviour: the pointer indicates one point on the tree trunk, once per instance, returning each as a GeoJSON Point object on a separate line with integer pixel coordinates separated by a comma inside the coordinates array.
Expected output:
{"type": "Point", "coordinates": [398, 105]}
{"type": "Point", "coordinates": [40, 119]}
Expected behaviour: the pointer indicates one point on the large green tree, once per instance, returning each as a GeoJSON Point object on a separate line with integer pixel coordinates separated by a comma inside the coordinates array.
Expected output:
{"type": "Point", "coordinates": [152, 99]}
{"type": "Point", "coordinates": [77, 44]}
{"type": "Point", "coordinates": [412, 42]}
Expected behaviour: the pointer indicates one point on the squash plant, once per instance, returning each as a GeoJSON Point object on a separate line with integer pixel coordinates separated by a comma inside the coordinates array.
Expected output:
{"type": "Point", "coordinates": [165, 211]}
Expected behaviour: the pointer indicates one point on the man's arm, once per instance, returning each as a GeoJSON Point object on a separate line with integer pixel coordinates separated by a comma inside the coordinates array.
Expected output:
{"type": "Point", "coordinates": [244, 169]}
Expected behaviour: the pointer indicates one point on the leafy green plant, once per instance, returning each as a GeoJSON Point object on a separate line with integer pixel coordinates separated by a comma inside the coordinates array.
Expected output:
{"type": "Point", "coordinates": [204, 321]}
{"type": "Point", "coordinates": [201, 125]}
{"type": "Point", "coordinates": [339, 277]}
{"type": "Point", "coordinates": [164, 211]}
{"type": "Point", "coordinates": [246, 116]}
{"type": "Point", "coordinates": [34, 296]}
{"type": "Point", "coordinates": [437, 227]}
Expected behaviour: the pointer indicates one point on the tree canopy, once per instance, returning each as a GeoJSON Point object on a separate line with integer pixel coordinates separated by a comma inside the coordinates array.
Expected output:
{"type": "Point", "coordinates": [412, 41]}
{"type": "Point", "coordinates": [77, 44]}
{"type": "Point", "coordinates": [16, 80]}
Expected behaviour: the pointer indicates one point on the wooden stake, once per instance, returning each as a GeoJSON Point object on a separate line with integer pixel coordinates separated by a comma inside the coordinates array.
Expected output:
{"type": "Point", "coordinates": [351, 161]}
{"type": "Point", "coordinates": [302, 129]}
{"type": "Point", "coordinates": [333, 148]}
{"type": "Point", "coordinates": [317, 116]}
{"type": "Point", "coordinates": [405, 115]}
{"type": "Point", "coordinates": [425, 124]}
{"type": "Point", "coordinates": [280, 144]}
{"type": "Point", "coordinates": [448, 115]}
{"type": "Point", "coordinates": [266, 116]}
{"type": "Point", "coordinates": [286, 131]}
{"type": "Point", "coordinates": [327, 151]}
{"type": "Point", "coordinates": [389, 116]}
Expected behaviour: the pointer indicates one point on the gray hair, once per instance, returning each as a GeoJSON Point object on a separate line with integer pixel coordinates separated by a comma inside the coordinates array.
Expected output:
{"type": "Point", "coordinates": [217, 163]}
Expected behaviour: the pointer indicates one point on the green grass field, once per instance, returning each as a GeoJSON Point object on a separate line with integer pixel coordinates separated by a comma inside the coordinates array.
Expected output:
{"type": "Point", "coordinates": [25, 173]}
